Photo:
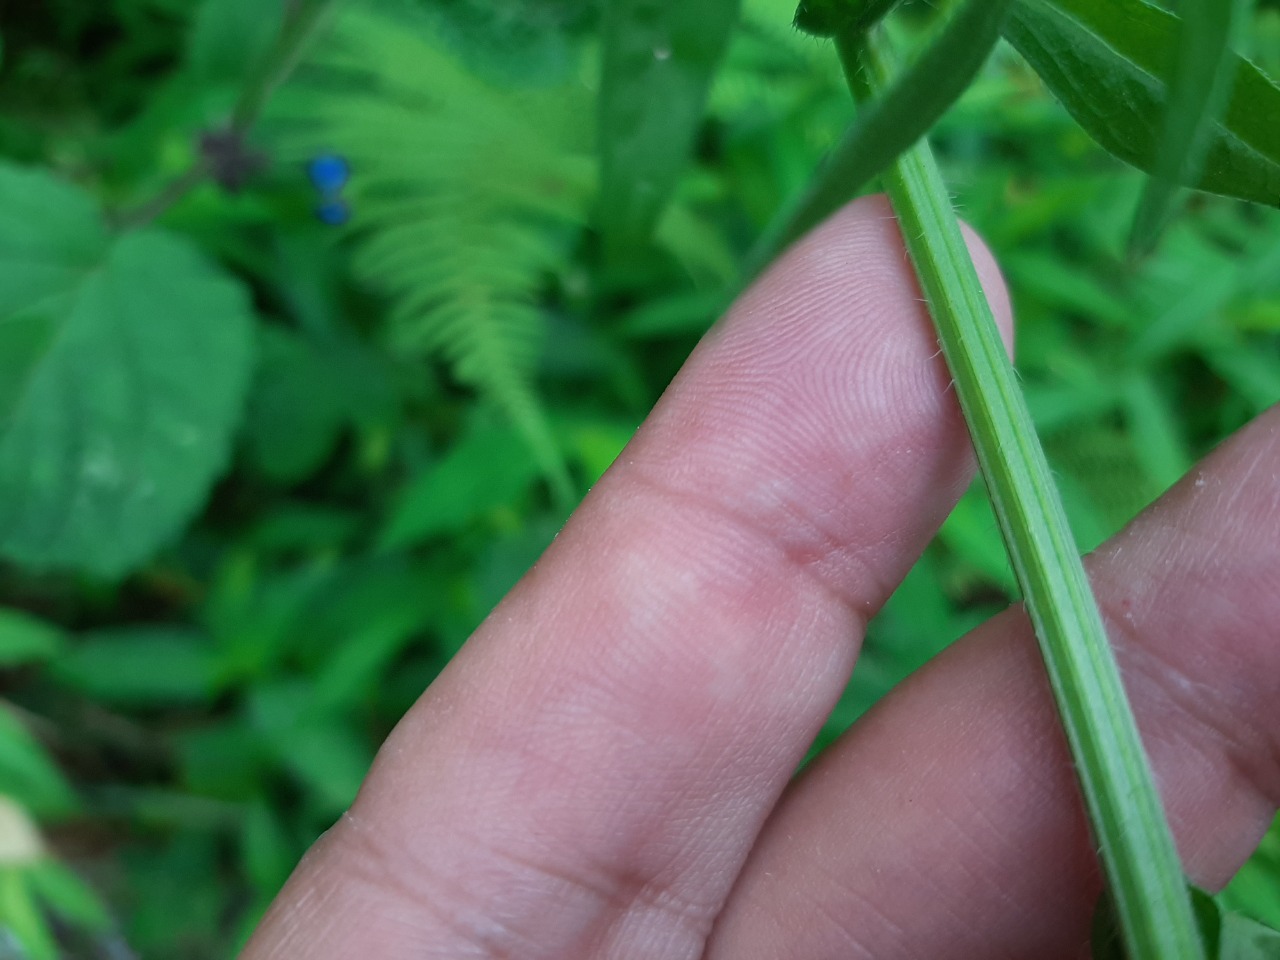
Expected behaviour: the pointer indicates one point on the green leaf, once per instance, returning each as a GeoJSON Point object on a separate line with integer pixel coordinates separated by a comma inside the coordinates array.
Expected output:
{"type": "Point", "coordinates": [1198, 91]}
{"type": "Point", "coordinates": [894, 121]}
{"type": "Point", "coordinates": [659, 59]}
{"type": "Point", "coordinates": [1209, 921]}
{"type": "Point", "coordinates": [227, 760]}
{"type": "Point", "coordinates": [327, 754]}
{"type": "Point", "coordinates": [363, 624]}
{"type": "Point", "coordinates": [27, 774]}
{"type": "Point", "coordinates": [1255, 889]}
{"type": "Point", "coordinates": [229, 39]}
{"type": "Point", "coordinates": [26, 639]}
{"type": "Point", "coordinates": [1246, 939]}
{"type": "Point", "coordinates": [123, 364]}
{"type": "Point", "coordinates": [1226, 936]}
{"type": "Point", "coordinates": [293, 418]}
{"type": "Point", "coordinates": [305, 393]}
{"type": "Point", "coordinates": [455, 226]}
{"type": "Point", "coordinates": [1157, 435]}
{"type": "Point", "coordinates": [827, 18]}
{"type": "Point", "coordinates": [1108, 61]}
{"type": "Point", "coordinates": [24, 932]}
{"type": "Point", "coordinates": [144, 666]}
{"type": "Point", "coordinates": [481, 472]}
{"type": "Point", "coordinates": [62, 891]}
{"type": "Point", "coordinates": [267, 849]}
{"type": "Point", "coordinates": [971, 533]}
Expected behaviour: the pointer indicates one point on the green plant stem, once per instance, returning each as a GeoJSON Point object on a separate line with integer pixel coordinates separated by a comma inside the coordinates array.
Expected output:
{"type": "Point", "coordinates": [1139, 860]}
{"type": "Point", "coordinates": [301, 24]}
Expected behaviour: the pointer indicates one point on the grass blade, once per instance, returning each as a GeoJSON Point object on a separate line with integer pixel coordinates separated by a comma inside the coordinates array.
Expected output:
{"type": "Point", "coordinates": [659, 60]}
{"type": "Point", "coordinates": [893, 122]}
{"type": "Point", "coordinates": [1198, 92]}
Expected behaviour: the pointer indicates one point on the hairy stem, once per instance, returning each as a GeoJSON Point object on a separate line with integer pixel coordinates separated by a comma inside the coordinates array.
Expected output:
{"type": "Point", "coordinates": [1138, 856]}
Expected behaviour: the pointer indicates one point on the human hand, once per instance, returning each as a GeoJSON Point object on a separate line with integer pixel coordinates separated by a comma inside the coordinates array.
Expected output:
{"type": "Point", "coordinates": [605, 771]}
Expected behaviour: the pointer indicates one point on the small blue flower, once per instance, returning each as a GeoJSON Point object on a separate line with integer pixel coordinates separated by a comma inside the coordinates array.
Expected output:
{"type": "Point", "coordinates": [329, 172]}
{"type": "Point", "coordinates": [333, 212]}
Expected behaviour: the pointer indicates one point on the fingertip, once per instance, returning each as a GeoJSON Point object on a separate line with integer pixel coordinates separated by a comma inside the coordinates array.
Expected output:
{"type": "Point", "coordinates": [824, 256]}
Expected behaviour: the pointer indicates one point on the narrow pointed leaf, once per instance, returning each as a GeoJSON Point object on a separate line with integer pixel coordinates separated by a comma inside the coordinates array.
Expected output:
{"type": "Point", "coordinates": [889, 126]}
{"type": "Point", "coordinates": [659, 60]}
{"type": "Point", "coordinates": [1198, 92]}
{"type": "Point", "coordinates": [1108, 61]}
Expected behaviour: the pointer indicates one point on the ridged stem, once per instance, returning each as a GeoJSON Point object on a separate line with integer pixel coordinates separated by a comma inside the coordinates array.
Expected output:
{"type": "Point", "coordinates": [1139, 860]}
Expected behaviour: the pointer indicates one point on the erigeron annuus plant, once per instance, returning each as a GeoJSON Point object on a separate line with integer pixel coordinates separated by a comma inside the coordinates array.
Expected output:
{"type": "Point", "coordinates": [1162, 90]}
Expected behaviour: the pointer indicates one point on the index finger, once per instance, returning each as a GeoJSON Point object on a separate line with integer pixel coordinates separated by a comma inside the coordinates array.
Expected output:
{"type": "Point", "coordinates": [587, 776]}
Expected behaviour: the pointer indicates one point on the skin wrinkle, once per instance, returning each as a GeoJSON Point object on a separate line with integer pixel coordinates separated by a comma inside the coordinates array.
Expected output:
{"type": "Point", "coordinates": [803, 555]}
{"type": "Point", "coordinates": [407, 892]}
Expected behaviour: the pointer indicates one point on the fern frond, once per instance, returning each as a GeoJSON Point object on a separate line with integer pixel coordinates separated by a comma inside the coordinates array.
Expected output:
{"type": "Point", "coordinates": [464, 196]}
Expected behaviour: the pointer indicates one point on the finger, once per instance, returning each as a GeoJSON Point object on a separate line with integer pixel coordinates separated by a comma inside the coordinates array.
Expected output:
{"type": "Point", "coordinates": [587, 776]}
{"type": "Point", "coordinates": [948, 822]}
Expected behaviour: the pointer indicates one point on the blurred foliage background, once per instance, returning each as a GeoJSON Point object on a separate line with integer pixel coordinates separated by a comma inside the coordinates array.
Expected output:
{"type": "Point", "coordinates": [228, 572]}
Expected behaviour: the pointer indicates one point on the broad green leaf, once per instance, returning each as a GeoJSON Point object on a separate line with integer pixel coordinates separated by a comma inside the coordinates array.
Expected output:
{"type": "Point", "coordinates": [145, 666]}
{"type": "Point", "coordinates": [1198, 91]}
{"type": "Point", "coordinates": [659, 59]}
{"type": "Point", "coordinates": [828, 18]}
{"type": "Point", "coordinates": [1108, 62]}
{"type": "Point", "coordinates": [893, 123]}
{"type": "Point", "coordinates": [123, 364]}
{"type": "Point", "coordinates": [26, 639]}
{"type": "Point", "coordinates": [27, 774]}
{"type": "Point", "coordinates": [482, 471]}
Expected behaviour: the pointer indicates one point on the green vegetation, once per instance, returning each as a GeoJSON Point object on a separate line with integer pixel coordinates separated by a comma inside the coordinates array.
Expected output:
{"type": "Point", "coordinates": [248, 496]}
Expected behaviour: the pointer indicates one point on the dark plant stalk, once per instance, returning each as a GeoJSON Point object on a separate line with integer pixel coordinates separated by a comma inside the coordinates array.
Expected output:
{"type": "Point", "coordinates": [1139, 860]}
{"type": "Point", "coordinates": [302, 20]}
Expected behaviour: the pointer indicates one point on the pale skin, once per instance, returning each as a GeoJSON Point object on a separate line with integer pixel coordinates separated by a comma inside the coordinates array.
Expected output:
{"type": "Point", "coordinates": [605, 772]}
